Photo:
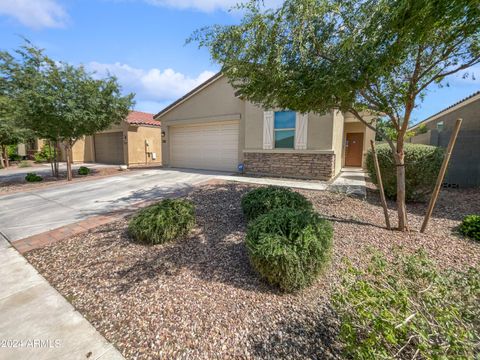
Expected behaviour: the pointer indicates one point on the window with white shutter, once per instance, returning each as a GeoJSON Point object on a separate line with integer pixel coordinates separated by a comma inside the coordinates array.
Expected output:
{"type": "Point", "coordinates": [284, 129]}
{"type": "Point", "coordinates": [268, 130]}
{"type": "Point", "coordinates": [301, 126]}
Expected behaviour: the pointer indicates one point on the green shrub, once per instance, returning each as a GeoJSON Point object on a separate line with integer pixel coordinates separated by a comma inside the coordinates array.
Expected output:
{"type": "Point", "coordinates": [32, 177]}
{"type": "Point", "coordinates": [422, 129]}
{"type": "Point", "coordinates": [422, 165]}
{"type": "Point", "coordinates": [24, 164]}
{"type": "Point", "coordinates": [289, 247]}
{"type": "Point", "coordinates": [45, 154]}
{"type": "Point", "coordinates": [471, 226]}
{"type": "Point", "coordinates": [260, 201]}
{"type": "Point", "coordinates": [83, 170]}
{"type": "Point", "coordinates": [408, 309]}
{"type": "Point", "coordinates": [12, 153]}
{"type": "Point", "coordinates": [162, 222]}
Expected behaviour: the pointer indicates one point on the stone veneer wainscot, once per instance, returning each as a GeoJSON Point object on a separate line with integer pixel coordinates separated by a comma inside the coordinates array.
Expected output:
{"type": "Point", "coordinates": [307, 165]}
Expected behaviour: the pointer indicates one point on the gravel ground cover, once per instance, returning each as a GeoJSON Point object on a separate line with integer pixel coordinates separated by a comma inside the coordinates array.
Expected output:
{"type": "Point", "coordinates": [199, 298]}
{"type": "Point", "coordinates": [20, 184]}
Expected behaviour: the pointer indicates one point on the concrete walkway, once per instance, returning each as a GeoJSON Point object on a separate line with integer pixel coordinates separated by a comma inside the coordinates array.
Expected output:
{"type": "Point", "coordinates": [36, 322]}
{"type": "Point", "coordinates": [298, 184]}
{"type": "Point", "coordinates": [350, 181]}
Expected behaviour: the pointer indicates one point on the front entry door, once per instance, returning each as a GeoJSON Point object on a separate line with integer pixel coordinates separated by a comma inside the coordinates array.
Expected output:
{"type": "Point", "coordinates": [354, 149]}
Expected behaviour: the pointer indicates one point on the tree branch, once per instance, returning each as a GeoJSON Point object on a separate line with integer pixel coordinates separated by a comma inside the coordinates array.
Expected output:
{"type": "Point", "coordinates": [442, 75]}
{"type": "Point", "coordinates": [362, 120]}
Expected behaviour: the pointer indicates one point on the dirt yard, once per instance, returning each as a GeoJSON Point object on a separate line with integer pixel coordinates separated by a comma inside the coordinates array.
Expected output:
{"type": "Point", "coordinates": [20, 184]}
{"type": "Point", "coordinates": [199, 298]}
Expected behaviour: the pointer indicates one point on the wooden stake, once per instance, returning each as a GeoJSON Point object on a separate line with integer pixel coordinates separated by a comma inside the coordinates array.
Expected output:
{"type": "Point", "coordinates": [441, 174]}
{"type": "Point", "coordinates": [380, 185]}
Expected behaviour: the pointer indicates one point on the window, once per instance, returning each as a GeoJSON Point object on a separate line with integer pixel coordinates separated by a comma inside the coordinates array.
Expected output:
{"type": "Point", "coordinates": [284, 129]}
{"type": "Point", "coordinates": [440, 126]}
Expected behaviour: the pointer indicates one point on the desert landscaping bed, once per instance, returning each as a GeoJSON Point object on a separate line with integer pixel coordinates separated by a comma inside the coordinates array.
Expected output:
{"type": "Point", "coordinates": [199, 297]}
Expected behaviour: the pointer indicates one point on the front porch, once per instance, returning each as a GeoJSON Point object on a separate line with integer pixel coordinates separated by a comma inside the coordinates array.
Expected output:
{"type": "Point", "coordinates": [356, 142]}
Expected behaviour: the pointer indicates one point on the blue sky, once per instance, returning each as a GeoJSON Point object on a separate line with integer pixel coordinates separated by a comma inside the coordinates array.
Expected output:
{"type": "Point", "coordinates": [142, 42]}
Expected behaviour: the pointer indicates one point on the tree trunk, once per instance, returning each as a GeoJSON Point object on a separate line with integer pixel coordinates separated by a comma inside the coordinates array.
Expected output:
{"type": "Point", "coordinates": [5, 156]}
{"type": "Point", "coordinates": [68, 153]}
{"type": "Point", "coordinates": [52, 159]}
{"type": "Point", "coordinates": [55, 159]}
{"type": "Point", "coordinates": [401, 207]}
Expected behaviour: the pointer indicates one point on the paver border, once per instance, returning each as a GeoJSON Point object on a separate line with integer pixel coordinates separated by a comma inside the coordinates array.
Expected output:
{"type": "Point", "coordinates": [80, 227]}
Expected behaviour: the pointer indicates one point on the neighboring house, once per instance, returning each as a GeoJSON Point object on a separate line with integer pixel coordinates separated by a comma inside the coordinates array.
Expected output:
{"type": "Point", "coordinates": [212, 128]}
{"type": "Point", "coordinates": [464, 166]}
{"type": "Point", "coordinates": [134, 142]}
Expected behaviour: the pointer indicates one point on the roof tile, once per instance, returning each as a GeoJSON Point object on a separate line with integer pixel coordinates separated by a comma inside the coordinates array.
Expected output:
{"type": "Point", "coordinates": [141, 118]}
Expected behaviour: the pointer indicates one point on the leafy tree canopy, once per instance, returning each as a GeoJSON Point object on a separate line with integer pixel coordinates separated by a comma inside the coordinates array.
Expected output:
{"type": "Point", "coordinates": [59, 101]}
{"type": "Point", "coordinates": [360, 56]}
{"type": "Point", "coordinates": [314, 55]}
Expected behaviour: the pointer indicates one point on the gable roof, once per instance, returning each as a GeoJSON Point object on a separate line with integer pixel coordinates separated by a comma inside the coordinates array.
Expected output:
{"type": "Point", "coordinates": [141, 118]}
{"type": "Point", "coordinates": [471, 98]}
{"type": "Point", "coordinates": [189, 95]}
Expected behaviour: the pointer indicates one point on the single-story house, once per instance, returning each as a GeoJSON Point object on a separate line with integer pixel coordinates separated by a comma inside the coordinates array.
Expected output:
{"type": "Point", "coordinates": [464, 166]}
{"type": "Point", "coordinates": [212, 128]}
{"type": "Point", "coordinates": [136, 141]}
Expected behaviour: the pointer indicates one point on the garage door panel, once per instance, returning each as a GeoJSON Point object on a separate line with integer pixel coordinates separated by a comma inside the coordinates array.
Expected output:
{"type": "Point", "coordinates": [109, 148]}
{"type": "Point", "coordinates": [207, 146]}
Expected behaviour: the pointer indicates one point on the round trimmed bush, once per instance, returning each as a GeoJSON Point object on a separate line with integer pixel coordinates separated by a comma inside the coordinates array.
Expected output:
{"type": "Point", "coordinates": [288, 247]}
{"type": "Point", "coordinates": [422, 165]}
{"type": "Point", "coordinates": [83, 170]}
{"type": "Point", "coordinates": [260, 201]}
{"type": "Point", "coordinates": [32, 177]}
{"type": "Point", "coordinates": [163, 222]}
{"type": "Point", "coordinates": [471, 226]}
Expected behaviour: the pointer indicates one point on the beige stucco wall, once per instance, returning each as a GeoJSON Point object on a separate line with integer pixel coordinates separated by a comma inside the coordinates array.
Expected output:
{"type": "Point", "coordinates": [138, 152]}
{"type": "Point", "coordinates": [319, 132]}
{"type": "Point", "coordinates": [82, 150]}
{"type": "Point", "coordinates": [337, 139]}
{"type": "Point", "coordinates": [214, 103]}
{"type": "Point", "coordinates": [217, 102]}
{"type": "Point", "coordinates": [216, 99]}
{"type": "Point", "coordinates": [135, 152]}
{"type": "Point", "coordinates": [253, 127]}
{"type": "Point", "coordinates": [123, 126]}
{"type": "Point", "coordinates": [39, 143]}
{"type": "Point", "coordinates": [470, 113]}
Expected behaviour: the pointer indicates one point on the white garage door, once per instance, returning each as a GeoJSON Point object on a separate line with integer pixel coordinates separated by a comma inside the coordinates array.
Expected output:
{"type": "Point", "coordinates": [206, 146]}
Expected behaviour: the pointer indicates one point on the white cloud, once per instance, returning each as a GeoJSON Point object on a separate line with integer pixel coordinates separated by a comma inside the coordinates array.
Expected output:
{"type": "Point", "coordinates": [202, 5]}
{"type": "Point", "coordinates": [151, 86]}
{"type": "Point", "coordinates": [35, 13]}
{"type": "Point", "coordinates": [207, 5]}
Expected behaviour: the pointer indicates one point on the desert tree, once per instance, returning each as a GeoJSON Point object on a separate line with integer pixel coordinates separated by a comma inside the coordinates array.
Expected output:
{"type": "Point", "coordinates": [11, 133]}
{"type": "Point", "coordinates": [61, 102]}
{"type": "Point", "coordinates": [362, 57]}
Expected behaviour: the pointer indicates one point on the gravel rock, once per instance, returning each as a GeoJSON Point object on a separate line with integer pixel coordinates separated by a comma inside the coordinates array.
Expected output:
{"type": "Point", "coordinates": [199, 298]}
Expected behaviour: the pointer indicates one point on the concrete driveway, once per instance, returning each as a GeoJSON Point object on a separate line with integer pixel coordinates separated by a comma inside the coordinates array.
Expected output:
{"type": "Point", "coordinates": [30, 213]}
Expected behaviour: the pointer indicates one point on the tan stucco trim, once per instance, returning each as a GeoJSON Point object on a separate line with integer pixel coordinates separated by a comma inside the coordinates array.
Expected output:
{"type": "Point", "coordinates": [203, 119]}
{"type": "Point", "coordinates": [289, 151]}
